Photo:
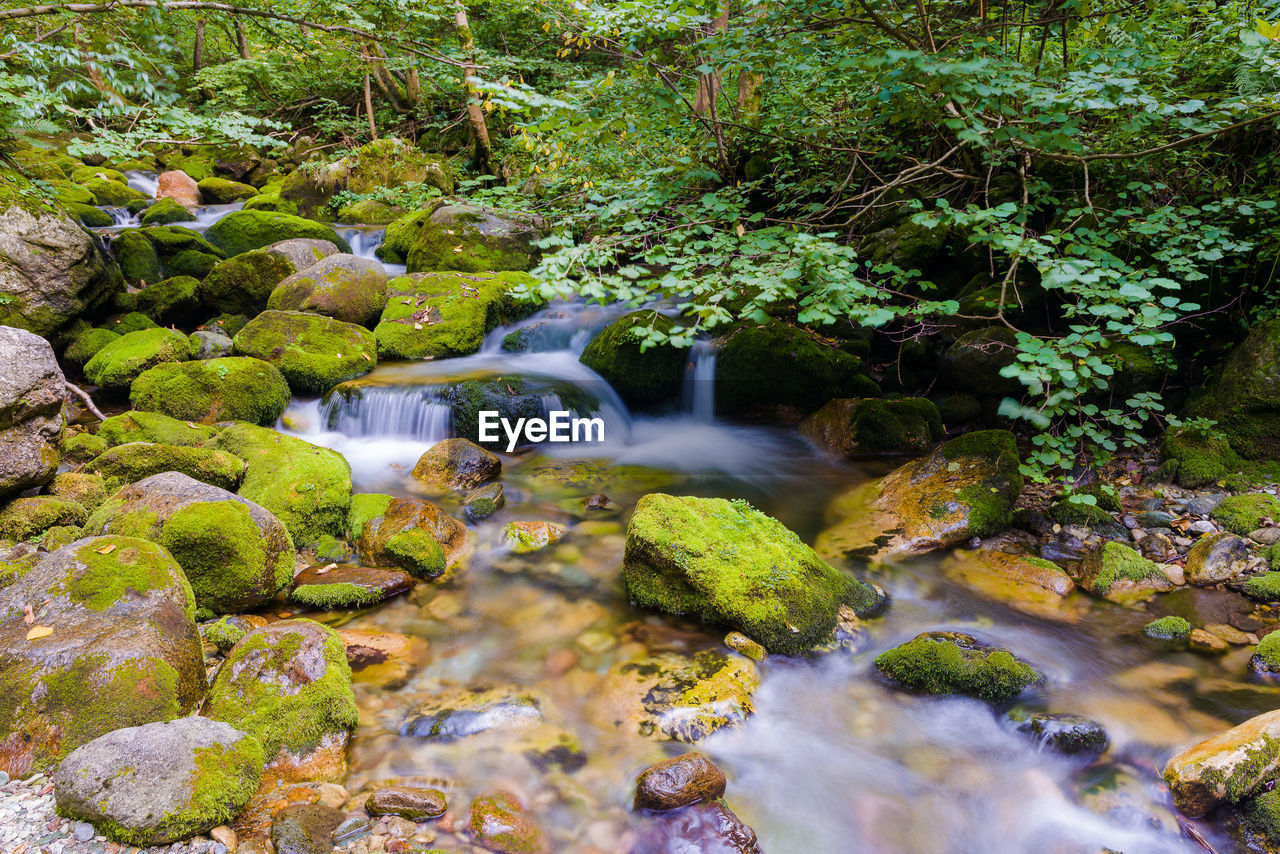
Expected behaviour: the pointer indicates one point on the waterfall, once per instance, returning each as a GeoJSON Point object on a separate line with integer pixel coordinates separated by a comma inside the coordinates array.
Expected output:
{"type": "Point", "coordinates": [408, 413]}
{"type": "Point", "coordinates": [121, 217]}
{"type": "Point", "coordinates": [146, 183]}
{"type": "Point", "coordinates": [698, 396]}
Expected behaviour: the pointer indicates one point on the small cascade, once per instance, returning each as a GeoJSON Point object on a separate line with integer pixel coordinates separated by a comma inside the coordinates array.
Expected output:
{"type": "Point", "coordinates": [209, 214]}
{"type": "Point", "coordinates": [146, 183]}
{"type": "Point", "coordinates": [121, 218]}
{"type": "Point", "coordinates": [561, 326]}
{"type": "Point", "coordinates": [698, 396]}
{"type": "Point", "coordinates": [404, 412]}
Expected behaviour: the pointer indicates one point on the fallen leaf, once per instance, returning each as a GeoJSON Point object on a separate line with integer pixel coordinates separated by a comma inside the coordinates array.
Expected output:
{"type": "Point", "coordinates": [38, 632]}
{"type": "Point", "coordinates": [107, 549]}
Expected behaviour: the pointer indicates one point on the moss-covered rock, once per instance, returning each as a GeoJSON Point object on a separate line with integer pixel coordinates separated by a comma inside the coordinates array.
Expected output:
{"type": "Point", "coordinates": [1264, 588]}
{"type": "Point", "coordinates": [89, 216]}
{"type": "Point", "coordinates": [81, 174]}
{"type": "Point", "coordinates": [1227, 767]}
{"type": "Point", "coordinates": [1028, 584]}
{"type": "Point", "coordinates": [28, 518]}
{"type": "Point", "coordinates": [456, 464]}
{"type": "Point", "coordinates": [954, 663]}
{"type": "Point", "coordinates": [220, 191]}
{"type": "Point", "coordinates": [641, 375]}
{"type": "Point", "coordinates": [166, 212]}
{"type": "Point", "coordinates": [169, 240]}
{"type": "Point", "coordinates": [191, 262]}
{"type": "Point", "coordinates": [1167, 628]}
{"type": "Point", "coordinates": [82, 447]}
{"type": "Point", "coordinates": [223, 633]}
{"type": "Point", "coordinates": [1243, 514]}
{"type": "Point", "coordinates": [415, 535]}
{"type": "Point", "coordinates": [973, 363]}
{"type": "Point", "coordinates": [137, 257]}
{"type": "Point", "coordinates": [86, 345]}
{"type": "Point", "coordinates": [173, 302]}
{"type": "Point", "coordinates": [244, 231]}
{"type": "Point", "coordinates": [134, 321]}
{"type": "Point", "coordinates": [369, 212]}
{"type": "Point", "coordinates": [306, 486]}
{"type": "Point", "coordinates": [225, 389]}
{"type": "Point", "coordinates": [83, 488]}
{"type": "Point", "coordinates": [468, 238]}
{"type": "Point", "coordinates": [1244, 397]}
{"type": "Point", "coordinates": [137, 426]}
{"type": "Point", "coordinates": [438, 315]}
{"type": "Point", "coordinates": [500, 823]}
{"type": "Point", "coordinates": [236, 554]}
{"type": "Point", "coordinates": [726, 563]}
{"type": "Point", "coordinates": [122, 649]}
{"type": "Point", "coordinates": [243, 284]}
{"type": "Point", "coordinates": [160, 782]}
{"type": "Point", "coordinates": [385, 162]}
{"type": "Point", "coordinates": [1120, 574]}
{"type": "Point", "coordinates": [109, 193]}
{"type": "Point", "coordinates": [1068, 512]}
{"type": "Point", "coordinates": [344, 287]}
{"type": "Point", "coordinates": [120, 362]}
{"type": "Point", "coordinates": [762, 369]}
{"type": "Point", "coordinates": [850, 427]}
{"type": "Point", "coordinates": [135, 461]}
{"type": "Point", "coordinates": [964, 489]}
{"type": "Point", "coordinates": [313, 352]}
{"type": "Point", "coordinates": [288, 685]}
{"type": "Point", "coordinates": [1195, 458]}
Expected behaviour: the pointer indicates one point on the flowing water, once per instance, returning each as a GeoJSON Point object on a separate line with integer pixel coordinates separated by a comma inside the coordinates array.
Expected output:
{"type": "Point", "coordinates": [833, 759]}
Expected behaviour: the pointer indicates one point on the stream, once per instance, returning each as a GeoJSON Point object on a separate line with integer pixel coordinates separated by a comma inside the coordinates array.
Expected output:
{"type": "Point", "coordinates": [833, 759]}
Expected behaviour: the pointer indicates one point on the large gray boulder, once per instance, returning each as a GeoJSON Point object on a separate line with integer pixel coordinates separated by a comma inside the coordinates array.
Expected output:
{"type": "Point", "coordinates": [51, 269]}
{"type": "Point", "coordinates": [303, 251]}
{"type": "Point", "coordinates": [160, 782]}
{"type": "Point", "coordinates": [32, 390]}
{"type": "Point", "coordinates": [344, 287]}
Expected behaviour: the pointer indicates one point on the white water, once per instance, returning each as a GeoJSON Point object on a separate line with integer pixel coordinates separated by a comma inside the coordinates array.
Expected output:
{"type": "Point", "coordinates": [146, 183]}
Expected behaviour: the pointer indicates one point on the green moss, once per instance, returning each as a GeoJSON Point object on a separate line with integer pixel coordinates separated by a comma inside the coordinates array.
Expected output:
{"type": "Point", "coordinates": [365, 507]}
{"type": "Point", "coordinates": [313, 352]}
{"type": "Point", "coordinates": [87, 173]}
{"type": "Point", "coordinates": [307, 487]}
{"type": "Point", "coordinates": [137, 257]}
{"type": "Point", "coordinates": [331, 549]}
{"type": "Point", "coordinates": [1123, 563]}
{"type": "Point", "coordinates": [120, 362]}
{"type": "Point", "coordinates": [134, 321]}
{"type": "Point", "coordinates": [173, 302]}
{"type": "Point", "coordinates": [1167, 628]}
{"type": "Point", "coordinates": [642, 376]}
{"type": "Point", "coordinates": [26, 518]}
{"type": "Point", "coordinates": [243, 284]}
{"type": "Point", "coordinates": [417, 553]}
{"type": "Point", "coordinates": [111, 193]}
{"type": "Point", "coordinates": [59, 536]}
{"type": "Point", "coordinates": [1262, 814]}
{"type": "Point", "coordinates": [1268, 650]}
{"type": "Point", "coordinates": [191, 263]}
{"type": "Point", "coordinates": [230, 388]}
{"type": "Point", "coordinates": [1067, 512]}
{"type": "Point", "coordinates": [131, 567]}
{"type": "Point", "coordinates": [1242, 514]}
{"type": "Point", "coordinates": [1264, 588]}
{"type": "Point", "coordinates": [399, 236]}
{"type": "Point", "coordinates": [223, 780]}
{"type": "Point", "coordinates": [224, 555]}
{"type": "Point", "coordinates": [329, 597]}
{"type": "Point", "coordinates": [152, 427]}
{"type": "Point", "coordinates": [86, 489]}
{"type": "Point", "coordinates": [83, 446]}
{"type": "Point", "coordinates": [166, 211]}
{"type": "Point", "coordinates": [938, 664]}
{"type": "Point", "coordinates": [220, 191]}
{"type": "Point", "coordinates": [438, 315]}
{"type": "Point", "coordinates": [169, 240]}
{"type": "Point", "coordinates": [89, 216]}
{"type": "Point", "coordinates": [87, 344]}
{"type": "Point", "coordinates": [284, 720]}
{"type": "Point", "coordinates": [244, 231]}
{"type": "Point", "coordinates": [222, 633]}
{"type": "Point", "coordinates": [136, 460]}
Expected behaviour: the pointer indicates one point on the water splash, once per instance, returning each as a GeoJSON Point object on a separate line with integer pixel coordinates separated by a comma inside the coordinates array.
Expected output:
{"type": "Point", "coordinates": [147, 183]}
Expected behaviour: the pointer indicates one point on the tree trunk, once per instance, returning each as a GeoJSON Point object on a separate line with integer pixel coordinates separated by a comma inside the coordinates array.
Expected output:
{"type": "Point", "coordinates": [91, 71]}
{"type": "Point", "coordinates": [481, 151]}
{"type": "Point", "coordinates": [709, 84]}
{"type": "Point", "coordinates": [242, 39]}
{"type": "Point", "coordinates": [749, 97]}
{"type": "Point", "coordinates": [368, 98]}
{"type": "Point", "coordinates": [197, 48]}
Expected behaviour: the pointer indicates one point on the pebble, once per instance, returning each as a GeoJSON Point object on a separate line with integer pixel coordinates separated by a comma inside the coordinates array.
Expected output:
{"type": "Point", "coordinates": [1202, 527]}
{"type": "Point", "coordinates": [82, 831]}
{"type": "Point", "coordinates": [1266, 536]}
{"type": "Point", "coordinates": [1209, 644]}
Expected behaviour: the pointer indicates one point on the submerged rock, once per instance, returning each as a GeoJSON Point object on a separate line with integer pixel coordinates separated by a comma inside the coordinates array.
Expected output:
{"type": "Point", "coordinates": [1070, 735]}
{"type": "Point", "coordinates": [683, 698]}
{"type": "Point", "coordinates": [500, 823]}
{"type": "Point", "coordinates": [383, 659]}
{"type": "Point", "coordinates": [954, 663]}
{"type": "Point", "coordinates": [413, 803]}
{"type": "Point", "coordinates": [851, 427]}
{"type": "Point", "coordinates": [678, 782]}
{"type": "Point", "coordinates": [964, 489]}
{"type": "Point", "coordinates": [121, 648]}
{"type": "Point", "coordinates": [1025, 583]}
{"type": "Point", "coordinates": [457, 464]}
{"type": "Point", "coordinates": [450, 718]}
{"type": "Point", "coordinates": [707, 828]}
{"type": "Point", "coordinates": [288, 685]}
{"type": "Point", "coordinates": [727, 563]}
{"type": "Point", "coordinates": [236, 554]}
{"type": "Point", "coordinates": [1227, 767]}
{"type": "Point", "coordinates": [525, 537]}
{"type": "Point", "coordinates": [305, 829]}
{"type": "Point", "coordinates": [160, 782]}
{"type": "Point", "coordinates": [32, 391]}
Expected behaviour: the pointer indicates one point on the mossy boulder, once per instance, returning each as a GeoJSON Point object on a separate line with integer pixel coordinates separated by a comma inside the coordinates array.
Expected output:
{"type": "Point", "coordinates": [974, 362]}
{"type": "Point", "coordinates": [236, 554]}
{"type": "Point", "coordinates": [439, 315]}
{"type": "Point", "coordinates": [72, 194]}
{"type": "Point", "coordinates": [304, 252]}
{"type": "Point", "coordinates": [385, 162]}
{"type": "Point", "coordinates": [954, 663]}
{"type": "Point", "coordinates": [1244, 397]}
{"type": "Point", "coordinates": [456, 464]}
{"type": "Point", "coordinates": [122, 361]}
{"type": "Point", "coordinates": [135, 461]}
{"type": "Point", "coordinates": [89, 216]}
{"type": "Point", "coordinates": [641, 375]}
{"type": "Point", "coordinates": [964, 489]}
{"type": "Point", "coordinates": [87, 344]}
{"type": "Point", "coordinates": [244, 231]}
{"type": "Point", "coordinates": [109, 193]}
{"type": "Point", "coordinates": [1227, 767]}
{"type": "Point", "coordinates": [169, 240]}
{"type": "Point", "coordinates": [84, 488]}
{"type": "Point", "coordinates": [190, 262]}
{"type": "Point", "coordinates": [134, 321]}
{"type": "Point", "coordinates": [160, 782]}
{"type": "Point", "coordinates": [775, 367]}
{"type": "Point", "coordinates": [166, 212]}
{"type": "Point", "coordinates": [87, 173]}
{"type": "Point", "coordinates": [344, 287]}
{"type": "Point", "coordinates": [851, 427]}
{"type": "Point", "coordinates": [121, 650]}
{"type": "Point", "coordinates": [1167, 628]}
{"type": "Point", "coordinates": [82, 447]}
{"type": "Point", "coordinates": [369, 212]}
{"type": "Point", "coordinates": [139, 426]}
{"type": "Point", "coordinates": [1195, 457]}
{"type": "Point", "coordinates": [468, 238]}
{"type": "Point", "coordinates": [138, 259]}
{"type": "Point", "coordinates": [728, 564]}
{"type": "Point", "coordinates": [243, 284]}
{"type": "Point", "coordinates": [313, 352]}
{"type": "Point", "coordinates": [1119, 574]}
{"type": "Point", "coordinates": [173, 302]}
{"type": "Point", "coordinates": [410, 533]}
{"type": "Point", "coordinates": [1243, 514]}
{"type": "Point", "coordinates": [225, 389]}
{"type": "Point", "coordinates": [220, 191]}
{"type": "Point", "coordinates": [27, 518]}
{"type": "Point", "coordinates": [306, 486]}
{"type": "Point", "coordinates": [288, 685]}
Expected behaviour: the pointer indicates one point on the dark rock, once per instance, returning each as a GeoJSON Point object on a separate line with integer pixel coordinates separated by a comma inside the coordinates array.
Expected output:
{"type": "Point", "coordinates": [707, 828]}
{"type": "Point", "coordinates": [305, 829]}
{"type": "Point", "coordinates": [679, 782]}
{"type": "Point", "coordinates": [408, 802]}
{"type": "Point", "coordinates": [1070, 735]}
{"type": "Point", "coordinates": [457, 464]}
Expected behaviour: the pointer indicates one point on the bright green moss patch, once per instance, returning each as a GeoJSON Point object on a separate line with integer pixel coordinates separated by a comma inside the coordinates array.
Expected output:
{"type": "Point", "coordinates": [1167, 628]}
{"type": "Point", "coordinates": [1121, 562]}
{"type": "Point", "coordinates": [437, 315]}
{"type": "Point", "coordinates": [152, 427]}
{"type": "Point", "coordinates": [1264, 588]}
{"type": "Point", "coordinates": [244, 231]}
{"type": "Point", "coordinates": [136, 460]}
{"type": "Point", "coordinates": [121, 361]}
{"type": "Point", "coordinates": [365, 507]}
{"type": "Point", "coordinates": [231, 388]}
{"type": "Point", "coordinates": [313, 352]}
{"type": "Point", "coordinates": [222, 633]}
{"type": "Point", "coordinates": [328, 597]}
{"type": "Point", "coordinates": [224, 555]}
{"type": "Point", "coordinates": [87, 344]}
{"type": "Point", "coordinates": [130, 567]}
{"type": "Point", "coordinates": [417, 553]}
{"type": "Point", "coordinates": [945, 663]}
{"type": "Point", "coordinates": [1067, 512]}
{"type": "Point", "coordinates": [166, 211]}
{"type": "Point", "coordinates": [25, 518]}
{"type": "Point", "coordinates": [243, 284]}
{"type": "Point", "coordinates": [1241, 514]}
{"type": "Point", "coordinates": [1268, 651]}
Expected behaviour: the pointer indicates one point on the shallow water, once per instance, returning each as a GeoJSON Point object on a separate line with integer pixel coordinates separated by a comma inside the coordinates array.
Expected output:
{"type": "Point", "coordinates": [832, 760]}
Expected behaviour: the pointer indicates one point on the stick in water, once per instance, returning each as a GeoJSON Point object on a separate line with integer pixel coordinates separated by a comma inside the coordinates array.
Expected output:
{"type": "Point", "coordinates": [88, 401]}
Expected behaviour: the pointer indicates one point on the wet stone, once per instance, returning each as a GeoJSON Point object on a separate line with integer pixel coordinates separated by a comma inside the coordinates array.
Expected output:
{"type": "Point", "coordinates": [708, 828]}
{"type": "Point", "coordinates": [407, 802]}
{"type": "Point", "coordinates": [305, 829]}
{"type": "Point", "coordinates": [679, 782]}
{"type": "Point", "coordinates": [1070, 735]}
{"type": "Point", "coordinates": [1203, 505]}
{"type": "Point", "coordinates": [450, 720]}
{"type": "Point", "coordinates": [377, 581]}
